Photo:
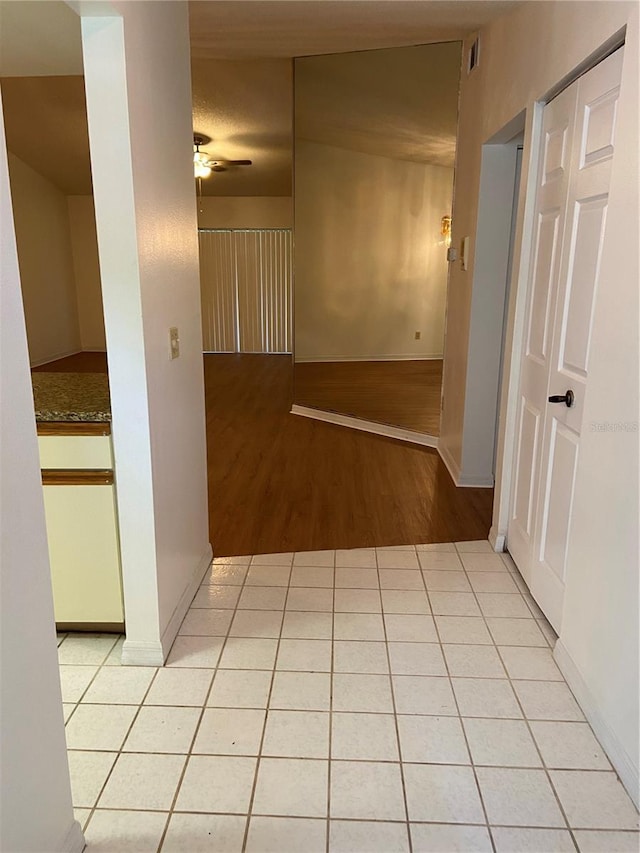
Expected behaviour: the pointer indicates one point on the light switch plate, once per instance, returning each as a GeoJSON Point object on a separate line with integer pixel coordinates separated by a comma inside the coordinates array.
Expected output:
{"type": "Point", "coordinates": [174, 342]}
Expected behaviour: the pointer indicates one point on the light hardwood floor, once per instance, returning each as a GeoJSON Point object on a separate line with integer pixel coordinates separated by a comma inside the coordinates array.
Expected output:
{"type": "Point", "coordinates": [279, 482]}
{"type": "Point", "coordinates": [400, 393]}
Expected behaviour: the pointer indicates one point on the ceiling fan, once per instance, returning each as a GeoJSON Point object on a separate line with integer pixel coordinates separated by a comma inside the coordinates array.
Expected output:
{"type": "Point", "coordinates": [204, 164]}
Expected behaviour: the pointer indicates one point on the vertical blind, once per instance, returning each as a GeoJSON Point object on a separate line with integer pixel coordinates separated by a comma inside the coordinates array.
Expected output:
{"type": "Point", "coordinates": [245, 284]}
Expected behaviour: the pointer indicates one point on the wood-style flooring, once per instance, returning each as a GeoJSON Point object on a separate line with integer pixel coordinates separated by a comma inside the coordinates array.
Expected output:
{"type": "Point", "coordinates": [280, 482]}
{"type": "Point", "coordinates": [400, 393]}
{"type": "Point", "coordinates": [80, 362]}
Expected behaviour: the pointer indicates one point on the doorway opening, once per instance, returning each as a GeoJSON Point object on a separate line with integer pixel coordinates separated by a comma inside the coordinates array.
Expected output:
{"type": "Point", "coordinates": [375, 140]}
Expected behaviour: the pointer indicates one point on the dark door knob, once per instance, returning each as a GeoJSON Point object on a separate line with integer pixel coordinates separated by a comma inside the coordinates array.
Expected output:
{"type": "Point", "coordinates": [567, 399]}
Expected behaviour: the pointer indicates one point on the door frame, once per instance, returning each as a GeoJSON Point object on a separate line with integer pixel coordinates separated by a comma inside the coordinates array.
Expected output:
{"type": "Point", "coordinates": [518, 292]}
{"type": "Point", "coordinates": [489, 303]}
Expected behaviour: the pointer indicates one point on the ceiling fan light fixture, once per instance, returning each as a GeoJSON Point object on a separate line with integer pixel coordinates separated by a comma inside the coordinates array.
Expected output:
{"type": "Point", "coordinates": [201, 166]}
{"type": "Point", "coordinates": [201, 169]}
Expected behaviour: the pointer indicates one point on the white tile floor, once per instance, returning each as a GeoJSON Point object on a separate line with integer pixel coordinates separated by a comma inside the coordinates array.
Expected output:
{"type": "Point", "coordinates": [399, 699]}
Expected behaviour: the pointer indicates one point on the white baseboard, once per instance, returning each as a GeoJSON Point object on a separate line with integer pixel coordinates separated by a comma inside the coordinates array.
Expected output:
{"type": "Point", "coordinates": [170, 632]}
{"type": "Point", "coordinates": [476, 482]}
{"type": "Point", "coordinates": [142, 653]}
{"type": "Point", "coordinates": [55, 357]}
{"type": "Point", "coordinates": [327, 359]}
{"type": "Point", "coordinates": [498, 540]}
{"type": "Point", "coordinates": [459, 479]}
{"type": "Point", "coordinates": [450, 463]}
{"type": "Point", "coordinates": [74, 840]}
{"type": "Point", "coordinates": [154, 652]}
{"type": "Point", "coordinates": [623, 762]}
{"type": "Point", "coordinates": [366, 426]}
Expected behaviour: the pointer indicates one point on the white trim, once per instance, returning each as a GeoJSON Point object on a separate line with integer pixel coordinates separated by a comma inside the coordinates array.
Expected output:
{"type": "Point", "coordinates": [155, 652]}
{"type": "Point", "coordinates": [50, 358]}
{"type": "Point", "coordinates": [170, 632]}
{"type": "Point", "coordinates": [498, 540]}
{"type": "Point", "coordinates": [514, 338]}
{"type": "Point", "coordinates": [74, 839]}
{"type": "Point", "coordinates": [366, 426]}
{"type": "Point", "coordinates": [465, 482]}
{"type": "Point", "coordinates": [450, 463]}
{"type": "Point", "coordinates": [459, 480]}
{"type": "Point", "coordinates": [462, 481]}
{"type": "Point", "coordinates": [142, 653]}
{"type": "Point", "coordinates": [620, 758]}
{"type": "Point", "coordinates": [340, 358]}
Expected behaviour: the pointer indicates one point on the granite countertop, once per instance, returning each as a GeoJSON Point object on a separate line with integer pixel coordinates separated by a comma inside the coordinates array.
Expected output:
{"type": "Point", "coordinates": [76, 397]}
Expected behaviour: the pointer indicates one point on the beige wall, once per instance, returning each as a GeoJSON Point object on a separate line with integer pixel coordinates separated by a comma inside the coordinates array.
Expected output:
{"type": "Point", "coordinates": [522, 57]}
{"type": "Point", "coordinates": [245, 211]}
{"type": "Point", "coordinates": [86, 267]}
{"type": "Point", "coordinates": [46, 264]}
{"type": "Point", "coordinates": [370, 265]}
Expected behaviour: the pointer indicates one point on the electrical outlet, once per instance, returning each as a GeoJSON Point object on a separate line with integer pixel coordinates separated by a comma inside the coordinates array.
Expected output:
{"type": "Point", "coordinates": [174, 342]}
{"type": "Point", "coordinates": [418, 335]}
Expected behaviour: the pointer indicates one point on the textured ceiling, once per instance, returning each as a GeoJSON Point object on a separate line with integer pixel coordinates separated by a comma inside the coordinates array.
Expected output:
{"type": "Point", "coordinates": [46, 126]}
{"type": "Point", "coordinates": [287, 28]}
{"type": "Point", "coordinates": [246, 108]}
{"type": "Point", "coordinates": [400, 102]}
{"type": "Point", "coordinates": [242, 89]}
{"type": "Point", "coordinates": [410, 121]}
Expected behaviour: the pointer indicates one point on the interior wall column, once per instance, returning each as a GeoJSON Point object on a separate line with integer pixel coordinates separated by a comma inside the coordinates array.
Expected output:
{"type": "Point", "coordinates": [35, 793]}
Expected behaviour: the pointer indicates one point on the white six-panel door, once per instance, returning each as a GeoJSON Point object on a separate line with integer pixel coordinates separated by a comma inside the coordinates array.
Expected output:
{"type": "Point", "coordinates": [551, 201]}
{"type": "Point", "coordinates": [577, 147]}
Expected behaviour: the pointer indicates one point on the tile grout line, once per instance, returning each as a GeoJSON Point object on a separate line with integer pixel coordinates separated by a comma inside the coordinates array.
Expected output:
{"type": "Point", "coordinates": [215, 670]}
{"type": "Point", "coordinates": [629, 832]}
{"type": "Point", "coordinates": [122, 743]}
{"type": "Point", "coordinates": [95, 675]}
{"type": "Point", "coordinates": [395, 712]}
{"type": "Point", "coordinates": [526, 722]}
{"type": "Point", "coordinates": [91, 680]}
{"type": "Point", "coordinates": [266, 714]}
{"type": "Point", "coordinates": [331, 671]}
{"type": "Point", "coordinates": [382, 613]}
{"type": "Point", "coordinates": [251, 755]}
{"type": "Point", "coordinates": [455, 699]}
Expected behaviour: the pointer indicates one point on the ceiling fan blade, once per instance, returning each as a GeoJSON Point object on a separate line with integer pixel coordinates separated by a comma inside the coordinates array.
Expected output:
{"type": "Point", "coordinates": [214, 162]}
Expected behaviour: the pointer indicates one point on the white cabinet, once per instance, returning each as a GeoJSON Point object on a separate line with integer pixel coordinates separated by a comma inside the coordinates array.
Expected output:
{"type": "Point", "coordinates": [75, 451]}
{"type": "Point", "coordinates": [82, 529]}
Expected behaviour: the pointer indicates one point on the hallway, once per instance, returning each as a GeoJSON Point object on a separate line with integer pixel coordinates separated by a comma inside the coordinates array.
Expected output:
{"type": "Point", "coordinates": [358, 701]}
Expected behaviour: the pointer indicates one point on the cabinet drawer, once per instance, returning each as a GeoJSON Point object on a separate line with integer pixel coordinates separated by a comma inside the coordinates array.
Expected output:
{"type": "Point", "coordinates": [84, 553]}
{"type": "Point", "coordinates": [75, 451]}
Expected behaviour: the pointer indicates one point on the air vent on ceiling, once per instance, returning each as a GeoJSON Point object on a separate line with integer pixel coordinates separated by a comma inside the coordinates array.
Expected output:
{"type": "Point", "coordinates": [474, 55]}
